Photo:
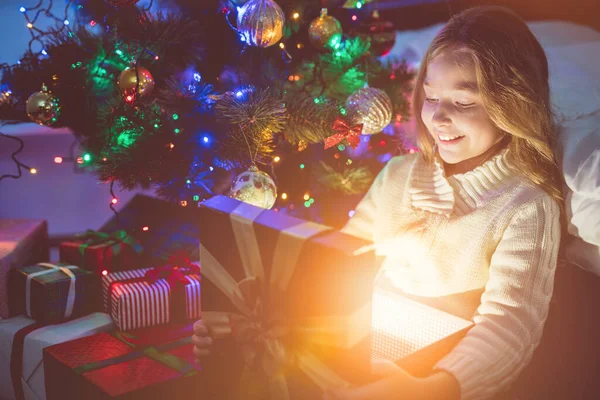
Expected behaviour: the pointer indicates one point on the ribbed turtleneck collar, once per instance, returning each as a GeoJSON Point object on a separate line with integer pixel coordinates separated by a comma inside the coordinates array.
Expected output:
{"type": "Point", "coordinates": [431, 190]}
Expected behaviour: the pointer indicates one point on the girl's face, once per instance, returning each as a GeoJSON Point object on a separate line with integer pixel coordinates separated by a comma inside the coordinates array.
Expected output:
{"type": "Point", "coordinates": [453, 111]}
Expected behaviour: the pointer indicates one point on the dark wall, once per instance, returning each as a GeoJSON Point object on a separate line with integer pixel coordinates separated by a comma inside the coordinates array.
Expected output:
{"type": "Point", "coordinates": [408, 15]}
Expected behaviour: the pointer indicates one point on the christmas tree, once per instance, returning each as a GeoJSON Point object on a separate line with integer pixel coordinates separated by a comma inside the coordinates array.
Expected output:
{"type": "Point", "coordinates": [281, 103]}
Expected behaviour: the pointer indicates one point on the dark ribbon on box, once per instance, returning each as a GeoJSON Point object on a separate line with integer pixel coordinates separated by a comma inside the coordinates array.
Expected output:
{"type": "Point", "coordinates": [114, 241]}
{"type": "Point", "coordinates": [16, 358]}
{"type": "Point", "coordinates": [157, 353]}
{"type": "Point", "coordinates": [178, 266]}
{"type": "Point", "coordinates": [344, 131]}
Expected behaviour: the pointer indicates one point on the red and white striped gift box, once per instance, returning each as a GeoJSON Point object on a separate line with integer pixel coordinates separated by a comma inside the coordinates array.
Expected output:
{"type": "Point", "coordinates": [134, 303]}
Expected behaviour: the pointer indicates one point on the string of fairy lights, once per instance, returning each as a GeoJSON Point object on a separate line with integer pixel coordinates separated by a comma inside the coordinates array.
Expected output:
{"type": "Point", "coordinates": [42, 8]}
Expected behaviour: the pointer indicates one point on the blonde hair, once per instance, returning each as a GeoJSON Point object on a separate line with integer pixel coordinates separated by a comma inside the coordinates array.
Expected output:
{"type": "Point", "coordinates": [512, 75]}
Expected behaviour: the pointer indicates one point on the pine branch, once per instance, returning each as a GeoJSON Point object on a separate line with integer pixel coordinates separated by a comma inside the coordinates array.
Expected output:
{"type": "Point", "coordinates": [352, 180]}
{"type": "Point", "coordinates": [308, 121]}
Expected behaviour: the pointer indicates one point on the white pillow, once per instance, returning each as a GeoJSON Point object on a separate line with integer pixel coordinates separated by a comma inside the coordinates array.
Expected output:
{"type": "Point", "coordinates": [580, 140]}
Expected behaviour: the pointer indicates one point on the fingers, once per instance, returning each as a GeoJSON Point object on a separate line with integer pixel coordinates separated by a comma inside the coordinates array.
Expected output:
{"type": "Point", "coordinates": [202, 341]}
{"type": "Point", "coordinates": [200, 329]}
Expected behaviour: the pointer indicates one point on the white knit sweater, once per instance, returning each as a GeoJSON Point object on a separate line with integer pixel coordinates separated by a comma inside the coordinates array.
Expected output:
{"type": "Point", "coordinates": [487, 229]}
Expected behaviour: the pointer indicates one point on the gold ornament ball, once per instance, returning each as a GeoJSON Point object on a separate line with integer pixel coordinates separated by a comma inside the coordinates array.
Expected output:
{"type": "Point", "coordinates": [42, 108]}
{"type": "Point", "coordinates": [254, 187]}
{"type": "Point", "coordinates": [260, 22]}
{"type": "Point", "coordinates": [325, 31]}
{"type": "Point", "coordinates": [371, 107]}
{"type": "Point", "coordinates": [128, 81]}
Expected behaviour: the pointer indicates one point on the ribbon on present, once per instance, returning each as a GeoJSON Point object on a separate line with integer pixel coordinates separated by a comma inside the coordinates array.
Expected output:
{"type": "Point", "coordinates": [52, 268]}
{"type": "Point", "coordinates": [260, 331]}
{"type": "Point", "coordinates": [114, 241]}
{"type": "Point", "coordinates": [175, 273]}
{"type": "Point", "coordinates": [344, 131]}
{"type": "Point", "coordinates": [158, 353]}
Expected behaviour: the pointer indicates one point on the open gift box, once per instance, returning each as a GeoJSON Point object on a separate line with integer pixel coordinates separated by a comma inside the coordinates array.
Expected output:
{"type": "Point", "coordinates": [298, 300]}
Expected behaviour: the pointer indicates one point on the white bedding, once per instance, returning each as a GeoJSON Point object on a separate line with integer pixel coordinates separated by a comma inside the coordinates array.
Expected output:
{"type": "Point", "coordinates": [573, 53]}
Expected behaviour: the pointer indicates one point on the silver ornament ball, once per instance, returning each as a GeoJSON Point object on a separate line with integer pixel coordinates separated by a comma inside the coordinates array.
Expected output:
{"type": "Point", "coordinates": [261, 22]}
{"type": "Point", "coordinates": [371, 107]}
{"type": "Point", "coordinates": [254, 187]}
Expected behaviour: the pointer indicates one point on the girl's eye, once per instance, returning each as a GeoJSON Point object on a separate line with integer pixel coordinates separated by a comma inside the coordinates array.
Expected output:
{"type": "Point", "coordinates": [464, 105]}
{"type": "Point", "coordinates": [431, 100]}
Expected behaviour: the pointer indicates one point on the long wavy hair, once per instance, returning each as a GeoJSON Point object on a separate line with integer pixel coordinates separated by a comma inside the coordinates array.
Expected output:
{"type": "Point", "coordinates": [512, 75]}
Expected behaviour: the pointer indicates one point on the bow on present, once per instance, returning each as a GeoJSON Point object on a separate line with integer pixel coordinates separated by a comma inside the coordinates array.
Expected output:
{"type": "Point", "coordinates": [344, 131]}
{"type": "Point", "coordinates": [175, 271]}
{"type": "Point", "coordinates": [93, 238]}
{"type": "Point", "coordinates": [261, 332]}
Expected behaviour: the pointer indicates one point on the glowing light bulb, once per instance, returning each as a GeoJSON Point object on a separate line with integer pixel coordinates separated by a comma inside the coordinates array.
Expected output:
{"type": "Point", "coordinates": [92, 23]}
{"type": "Point", "coordinates": [145, 229]}
{"type": "Point", "coordinates": [306, 196]}
{"type": "Point", "coordinates": [205, 139]}
{"type": "Point", "coordinates": [171, 145]}
{"type": "Point", "coordinates": [30, 25]}
{"type": "Point", "coordinates": [284, 196]}
{"type": "Point", "coordinates": [183, 203]}
{"type": "Point", "coordinates": [296, 15]}
{"type": "Point", "coordinates": [354, 18]}
{"type": "Point", "coordinates": [104, 272]}
{"type": "Point", "coordinates": [351, 213]}
{"type": "Point", "coordinates": [33, 171]}
{"type": "Point", "coordinates": [211, 168]}
{"type": "Point", "coordinates": [175, 117]}
{"type": "Point", "coordinates": [302, 166]}
{"type": "Point", "coordinates": [87, 157]}
{"type": "Point", "coordinates": [281, 46]}
{"type": "Point", "coordinates": [22, 9]}
{"type": "Point", "coordinates": [359, 5]}
{"type": "Point", "coordinates": [66, 22]}
{"type": "Point", "coordinates": [114, 200]}
{"type": "Point", "coordinates": [276, 159]}
{"type": "Point", "coordinates": [58, 160]}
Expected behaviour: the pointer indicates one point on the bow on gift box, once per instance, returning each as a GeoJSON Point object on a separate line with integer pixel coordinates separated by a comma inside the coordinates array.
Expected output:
{"type": "Point", "coordinates": [265, 337]}
{"type": "Point", "coordinates": [175, 271]}
{"type": "Point", "coordinates": [93, 238]}
{"type": "Point", "coordinates": [344, 131]}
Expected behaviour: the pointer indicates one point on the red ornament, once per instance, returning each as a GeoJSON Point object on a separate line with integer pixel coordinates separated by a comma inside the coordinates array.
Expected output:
{"type": "Point", "coordinates": [121, 3]}
{"type": "Point", "coordinates": [344, 131]}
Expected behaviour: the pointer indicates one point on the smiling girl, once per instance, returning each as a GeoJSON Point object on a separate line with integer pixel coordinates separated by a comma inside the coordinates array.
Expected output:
{"type": "Point", "coordinates": [481, 204]}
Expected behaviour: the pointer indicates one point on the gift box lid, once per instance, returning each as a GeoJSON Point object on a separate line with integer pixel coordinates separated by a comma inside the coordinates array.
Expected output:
{"type": "Point", "coordinates": [307, 276]}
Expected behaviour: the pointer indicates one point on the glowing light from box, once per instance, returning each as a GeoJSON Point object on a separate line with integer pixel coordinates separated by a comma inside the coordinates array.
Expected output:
{"type": "Point", "coordinates": [401, 326]}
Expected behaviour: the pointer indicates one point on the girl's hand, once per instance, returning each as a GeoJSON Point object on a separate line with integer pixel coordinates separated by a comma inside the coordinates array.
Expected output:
{"type": "Point", "coordinates": [202, 340]}
{"type": "Point", "coordinates": [393, 383]}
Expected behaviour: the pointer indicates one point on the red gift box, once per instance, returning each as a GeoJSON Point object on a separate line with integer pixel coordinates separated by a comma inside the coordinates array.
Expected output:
{"type": "Point", "coordinates": [98, 252]}
{"type": "Point", "coordinates": [119, 366]}
{"type": "Point", "coordinates": [22, 242]}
